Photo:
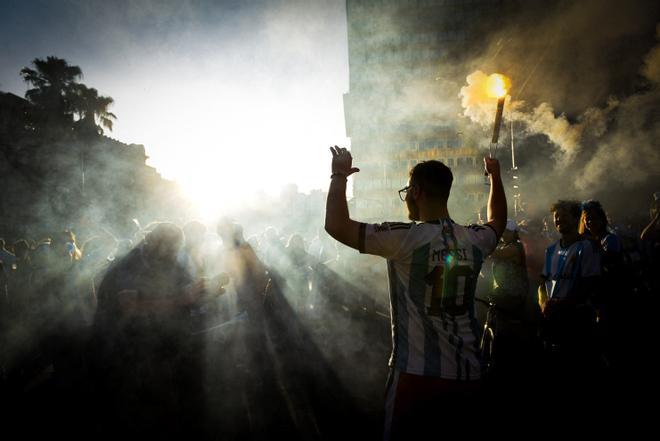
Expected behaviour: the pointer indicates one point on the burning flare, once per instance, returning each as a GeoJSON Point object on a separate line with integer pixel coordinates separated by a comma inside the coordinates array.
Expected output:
{"type": "Point", "coordinates": [479, 97]}
{"type": "Point", "coordinates": [483, 94]}
{"type": "Point", "coordinates": [497, 85]}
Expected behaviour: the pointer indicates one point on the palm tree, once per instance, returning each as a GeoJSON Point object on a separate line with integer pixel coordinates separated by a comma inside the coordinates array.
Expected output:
{"type": "Point", "coordinates": [53, 80]}
{"type": "Point", "coordinates": [92, 108]}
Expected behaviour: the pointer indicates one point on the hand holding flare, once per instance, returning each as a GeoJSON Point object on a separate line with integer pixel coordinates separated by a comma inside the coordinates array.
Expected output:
{"type": "Point", "coordinates": [497, 86]}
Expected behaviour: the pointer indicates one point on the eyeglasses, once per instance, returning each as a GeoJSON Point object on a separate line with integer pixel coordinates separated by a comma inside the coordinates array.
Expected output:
{"type": "Point", "coordinates": [404, 191]}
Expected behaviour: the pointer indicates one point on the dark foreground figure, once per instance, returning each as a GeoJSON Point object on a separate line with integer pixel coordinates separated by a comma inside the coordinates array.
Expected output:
{"type": "Point", "coordinates": [260, 371]}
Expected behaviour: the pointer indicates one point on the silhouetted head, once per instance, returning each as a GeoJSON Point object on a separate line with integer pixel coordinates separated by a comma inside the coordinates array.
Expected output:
{"type": "Point", "coordinates": [194, 233]}
{"type": "Point", "coordinates": [63, 244]}
{"type": "Point", "coordinates": [21, 248]}
{"type": "Point", "coordinates": [566, 215]}
{"type": "Point", "coordinates": [231, 233]}
{"type": "Point", "coordinates": [253, 241]}
{"type": "Point", "coordinates": [593, 218]}
{"type": "Point", "coordinates": [296, 242]}
{"type": "Point", "coordinates": [162, 243]}
{"type": "Point", "coordinates": [98, 248]}
{"type": "Point", "coordinates": [429, 183]}
{"type": "Point", "coordinates": [655, 204]}
{"type": "Point", "coordinates": [271, 234]}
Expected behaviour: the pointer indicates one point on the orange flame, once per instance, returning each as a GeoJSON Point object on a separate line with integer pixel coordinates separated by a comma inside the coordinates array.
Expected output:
{"type": "Point", "coordinates": [497, 85]}
{"type": "Point", "coordinates": [482, 93]}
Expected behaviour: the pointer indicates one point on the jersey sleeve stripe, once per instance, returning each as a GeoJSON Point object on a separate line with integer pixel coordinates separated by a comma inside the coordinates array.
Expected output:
{"type": "Point", "coordinates": [400, 227]}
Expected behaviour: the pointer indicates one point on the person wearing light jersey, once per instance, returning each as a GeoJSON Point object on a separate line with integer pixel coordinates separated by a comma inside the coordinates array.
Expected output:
{"type": "Point", "coordinates": [433, 267]}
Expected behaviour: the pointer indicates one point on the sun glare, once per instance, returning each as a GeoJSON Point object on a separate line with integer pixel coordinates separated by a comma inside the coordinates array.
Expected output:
{"type": "Point", "coordinates": [224, 147]}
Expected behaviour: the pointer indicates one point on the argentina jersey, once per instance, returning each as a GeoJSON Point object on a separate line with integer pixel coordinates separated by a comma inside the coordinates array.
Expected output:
{"type": "Point", "coordinates": [433, 268]}
{"type": "Point", "coordinates": [563, 266]}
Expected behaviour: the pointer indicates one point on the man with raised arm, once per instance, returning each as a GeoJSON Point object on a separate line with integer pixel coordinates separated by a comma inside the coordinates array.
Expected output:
{"type": "Point", "coordinates": [433, 266]}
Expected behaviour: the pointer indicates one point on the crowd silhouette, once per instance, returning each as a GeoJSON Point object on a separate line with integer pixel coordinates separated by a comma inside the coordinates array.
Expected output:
{"type": "Point", "coordinates": [180, 331]}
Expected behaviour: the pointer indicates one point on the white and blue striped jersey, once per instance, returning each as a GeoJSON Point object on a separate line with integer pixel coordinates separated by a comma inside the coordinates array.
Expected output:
{"type": "Point", "coordinates": [563, 267]}
{"type": "Point", "coordinates": [433, 269]}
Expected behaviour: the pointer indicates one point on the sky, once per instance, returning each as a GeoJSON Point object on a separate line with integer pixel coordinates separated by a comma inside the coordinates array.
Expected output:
{"type": "Point", "coordinates": [229, 97]}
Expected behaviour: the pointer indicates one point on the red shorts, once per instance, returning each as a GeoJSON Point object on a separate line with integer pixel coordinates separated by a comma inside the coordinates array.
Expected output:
{"type": "Point", "coordinates": [417, 405]}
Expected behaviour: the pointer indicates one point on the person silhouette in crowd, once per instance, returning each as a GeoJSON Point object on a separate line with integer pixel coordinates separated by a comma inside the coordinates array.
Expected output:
{"type": "Point", "coordinates": [61, 307]}
{"type": "Point", "coordinates": [609, 299]}
{"type": "Point", "coordinates": [296, 267]}
{"type": "Point", "coordinates": [650, 238]}
{"type": "Point", "coordinates": [570, 280]}
{"type": "Point", "coordinates": [516, 319]}
{"type": "Point", "coordinates": [252, 369]}
{"type": "Point", "coordinates": [6, 256]}
{"type": "Point", "coordinates": [141, 338]}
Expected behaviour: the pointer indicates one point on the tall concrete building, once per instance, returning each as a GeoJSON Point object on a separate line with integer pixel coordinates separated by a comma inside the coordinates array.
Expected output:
{"type": "Point", "coordinates": [405, 62]}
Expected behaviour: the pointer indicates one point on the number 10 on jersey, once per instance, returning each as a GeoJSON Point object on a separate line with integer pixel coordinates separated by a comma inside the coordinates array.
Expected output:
{"type": "Point", "coordinates": [445, 295]}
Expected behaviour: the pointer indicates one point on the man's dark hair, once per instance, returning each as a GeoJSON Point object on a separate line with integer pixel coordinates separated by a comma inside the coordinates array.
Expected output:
{"type": "Point", "coordinates": [21, 247]}
{"type": "Point", "coordinates": [433, 177]}
{"type": "Point", "coordinates": [164, 232]}
{"type": "Point", "coordinates": [573, 207]}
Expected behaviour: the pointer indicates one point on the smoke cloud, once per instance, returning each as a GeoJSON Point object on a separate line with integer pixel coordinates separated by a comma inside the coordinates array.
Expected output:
{"type": "Point", "coordinates": [584, 88]}
{"type": "Point", "coordinates": [583, 103]}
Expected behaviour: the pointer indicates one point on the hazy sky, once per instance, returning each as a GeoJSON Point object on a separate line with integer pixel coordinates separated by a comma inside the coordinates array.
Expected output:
{"type": "Point", "coordinates": [227, 96]}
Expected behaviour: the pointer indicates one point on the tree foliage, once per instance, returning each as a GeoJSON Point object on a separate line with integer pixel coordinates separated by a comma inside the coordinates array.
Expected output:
{"type": "Point", "coordinates": [61, 101]}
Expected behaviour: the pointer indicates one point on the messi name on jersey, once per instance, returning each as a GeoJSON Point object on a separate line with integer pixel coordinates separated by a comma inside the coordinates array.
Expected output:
{"type": "Point", "coordinates": [442, 254]}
